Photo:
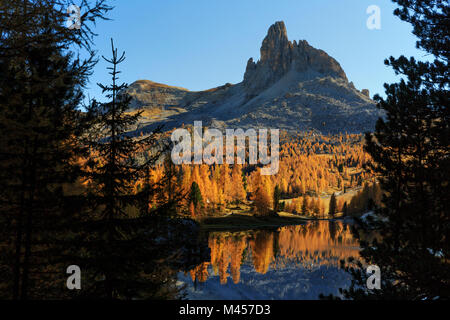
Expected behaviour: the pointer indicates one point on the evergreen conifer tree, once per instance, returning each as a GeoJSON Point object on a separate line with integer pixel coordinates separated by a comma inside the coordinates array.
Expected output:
{"type": "Point", "coordinates": [116, 246]}
{"type": "Point", "coordinates": [411, 154]}
{"type": "Point", "coordinates": [332, 206]}
{"type": "Point", "coordinates": [195, 196]}
{"type": "Point", "coordinates": [276, 198]}
{"type": "Point", "coordinates": [41, 84]}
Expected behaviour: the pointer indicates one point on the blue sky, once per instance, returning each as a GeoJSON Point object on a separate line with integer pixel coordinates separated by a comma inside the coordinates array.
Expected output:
{"type": "Point", "coordinates": [200, 44]}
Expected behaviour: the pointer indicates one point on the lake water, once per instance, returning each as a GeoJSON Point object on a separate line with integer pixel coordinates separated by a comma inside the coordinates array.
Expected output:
{"type": "Point", "coordinates": [292, 262]}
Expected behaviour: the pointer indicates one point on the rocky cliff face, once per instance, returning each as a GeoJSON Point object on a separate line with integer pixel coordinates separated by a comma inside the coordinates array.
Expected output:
{"type": "Point", "coordinates": [279, 56]}
{"type": "Point", "coordinates": [292, 87]}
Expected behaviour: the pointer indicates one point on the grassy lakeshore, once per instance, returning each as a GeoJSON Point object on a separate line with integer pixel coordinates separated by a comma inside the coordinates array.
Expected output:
{"type": "Point", "coordinates": [246, 221]}
{"type": "Point", "coordinates": [241, 217]}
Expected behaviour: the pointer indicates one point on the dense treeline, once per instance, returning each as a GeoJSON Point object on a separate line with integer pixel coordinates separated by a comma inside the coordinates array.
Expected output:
{"type": "Point", "coordinates": [311, 166]}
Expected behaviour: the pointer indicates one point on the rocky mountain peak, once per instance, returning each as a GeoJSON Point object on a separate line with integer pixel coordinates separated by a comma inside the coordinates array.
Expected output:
{"type": "Point", "coordinates": [275, 44]}
{"type": "Point", "coordinates": [292, 87]}
{"type": "Point", "coordinates": [279, 56]}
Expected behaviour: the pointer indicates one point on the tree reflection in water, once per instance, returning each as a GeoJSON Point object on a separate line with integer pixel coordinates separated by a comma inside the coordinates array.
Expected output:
{"type": "Point", "coordinates": [309, 246]}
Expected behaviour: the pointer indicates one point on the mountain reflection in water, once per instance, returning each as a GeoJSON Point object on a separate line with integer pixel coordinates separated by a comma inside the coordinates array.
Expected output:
{"type": "Point", "coordinates": [303, 258]}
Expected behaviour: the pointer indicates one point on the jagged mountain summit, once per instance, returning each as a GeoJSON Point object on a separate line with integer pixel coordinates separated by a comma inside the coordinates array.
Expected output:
{"type": "Point", "coordinates": [293, 87]}
{"type": "Point", "coordinates": [279, 56]}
